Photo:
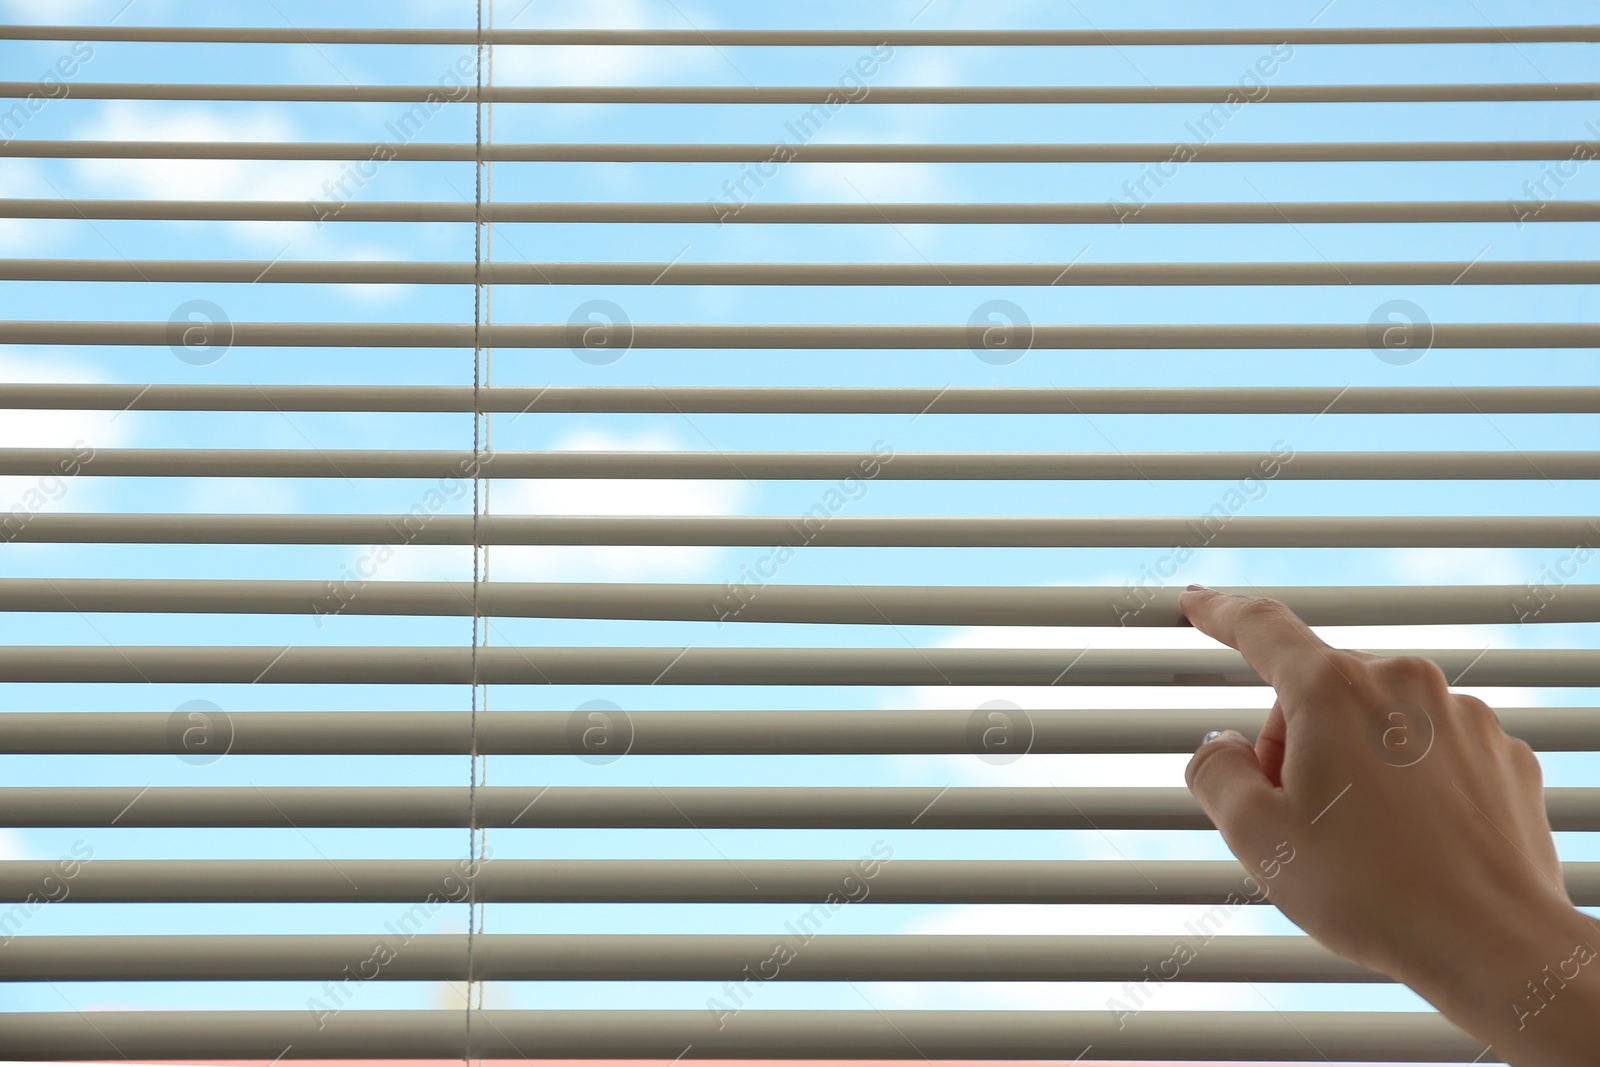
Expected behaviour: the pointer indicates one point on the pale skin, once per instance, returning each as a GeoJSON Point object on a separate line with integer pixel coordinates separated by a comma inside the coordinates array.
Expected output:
{"type": "Point", "coordinates": [1421, 845]}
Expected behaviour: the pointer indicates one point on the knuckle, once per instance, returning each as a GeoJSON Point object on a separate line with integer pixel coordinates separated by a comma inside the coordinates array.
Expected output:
{"type": "Point", "coordinates": [1524, 759]}
{"type": "Point", "coordinates": [1413, 670]}
{"type": "Point", "coordinates": [1260, 610]}
{"type": "Point", "coordinates": [1477, 711]}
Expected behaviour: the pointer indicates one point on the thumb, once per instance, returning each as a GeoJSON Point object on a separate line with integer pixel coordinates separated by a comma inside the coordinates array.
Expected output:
{"type": "Point", "coordinates": [1228, 781]}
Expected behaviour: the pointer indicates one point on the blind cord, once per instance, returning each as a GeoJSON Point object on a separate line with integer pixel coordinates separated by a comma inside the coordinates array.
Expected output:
{"type": "Point", "coordinates": [488, 432]}
{"type": "Point", "coordinates": [473, 837]}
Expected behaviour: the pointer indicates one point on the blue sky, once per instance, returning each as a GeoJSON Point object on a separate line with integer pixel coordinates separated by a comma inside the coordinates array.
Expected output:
{"type": "Point", "coordinates": [1265, 121]}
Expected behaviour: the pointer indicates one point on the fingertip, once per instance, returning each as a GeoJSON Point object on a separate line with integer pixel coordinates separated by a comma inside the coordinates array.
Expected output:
{"type": "Point", "coordinates": [1219, 735]}
{"type": "Point", "coordinates": [1228, 782]}
{"type": "Point", "coordinates": [1229, 746]}
{"type": "Point", "coordinates": [1194, 597]}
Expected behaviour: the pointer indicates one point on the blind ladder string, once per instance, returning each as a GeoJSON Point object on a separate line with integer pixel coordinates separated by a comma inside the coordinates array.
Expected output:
{"type": "Point", "coordinates": [473, 838]}
{"type": "Point", "coordinates": [488, 422]}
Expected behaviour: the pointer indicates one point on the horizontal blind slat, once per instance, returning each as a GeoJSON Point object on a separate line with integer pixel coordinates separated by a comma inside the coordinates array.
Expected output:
{"type": "Point", "coordinates": [629, 665]}
{"type": "Point", "coordinates": [1332, 531]}
{"type": "Point", "coordinates": [1478, 34]}
{"type": "Point", "coordinates": [896, 881]}
{"type": "Point", "coordinates": [921, 605]}
{"type": "Point", "coordinates": [389, 272]}
{"type": "Point", "coordinates": [810, 152]}
{"type": "Point", "coordinates": [654, 957]}
{"type": "Point", "coordinates": [1096, 213]}
{"type": "Point", "coordinates": [1047, 336]}
{"type": "Point", "coordinates": [677, 807]}
{"type": "Point", "coordinates": [817, 94]}
{"type": "Point", "coordinates": [731, 732]}
{"type": "Point", "coordinates": [883, 464]}
{"type": "Point", "coordinates": [1066, 400]}
{"type": "Point", "coordinates": [749, 1034]}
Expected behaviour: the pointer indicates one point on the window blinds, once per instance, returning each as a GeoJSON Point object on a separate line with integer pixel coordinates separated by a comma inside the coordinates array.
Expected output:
{"type": "Point", "coordinates": [464, 466]}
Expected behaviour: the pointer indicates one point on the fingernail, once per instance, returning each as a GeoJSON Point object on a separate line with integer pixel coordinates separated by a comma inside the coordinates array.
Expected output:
{"type": "Point", "coordinates": [1210, 737]}
{"type": "Point", "coordinates": [1201, 588]}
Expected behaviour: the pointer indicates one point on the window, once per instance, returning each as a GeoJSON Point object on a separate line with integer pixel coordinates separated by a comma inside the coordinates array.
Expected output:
{"type": "Point", "coordinates": [765, 523]}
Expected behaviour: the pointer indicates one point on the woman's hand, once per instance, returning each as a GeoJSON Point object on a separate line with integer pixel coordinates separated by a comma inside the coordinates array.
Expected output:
{"type": "Point", "coordinates": [1418, 833]}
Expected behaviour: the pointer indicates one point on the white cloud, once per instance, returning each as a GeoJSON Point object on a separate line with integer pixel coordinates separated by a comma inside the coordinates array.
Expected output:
{"type": "Point", "coordinates": [1154, 769]}
{"type": "Point", "coordinates": [66, 12]}
{"type": "Point", "coordinates": [260, 496]}
{"type": "Point", "coordinates": [593, 65]}
{"type": "Point", "coordinates": [1460, 566]}
{"type": "Point", "coordinates": [25, 428]}
{"type": "Point", "coordinates": [16, 366]}
{"type": "Point", "coordinates": [1069, 769]}
{"type": "Point", "coordinates": [614, 497]}
{"type": "Point", "coordinates": [1034, 920]}
{"type": "Point", "coordinates": [1054, 996]}
{"type": "Point", "coordinates": [200, 179]}
{"type": "Point", "coordinates": [853, 183]}
{"type": "Point", "coordinates": [24, 178]}
{"type": "Point", "coordinates": [11, 847]}
{"type": "Point", "coordinates": [596, 64]}
{"type": "Point", "coordinates": [372, 295]}
{"type": "Point", "coordinates": [600, 496]}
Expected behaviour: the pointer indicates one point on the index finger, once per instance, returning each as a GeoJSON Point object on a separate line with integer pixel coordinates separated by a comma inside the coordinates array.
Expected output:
{"type": "Point", "coordinates": [1273, 640]}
